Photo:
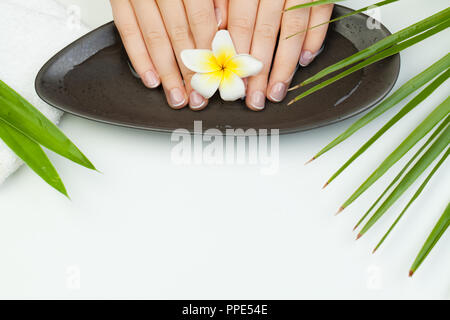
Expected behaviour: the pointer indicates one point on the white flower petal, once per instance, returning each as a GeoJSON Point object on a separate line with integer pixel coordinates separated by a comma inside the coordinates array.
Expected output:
{"type": "Point", "coordinates": [207, 84]}
{"type": "Point", "coordinates": [223, 47]}
{"type": "Point", "coordinates": [231, 87]}
{"type": "Point", "coordinates": [244, 65]}
{"type": "Point", "coordinates": [198, 60]}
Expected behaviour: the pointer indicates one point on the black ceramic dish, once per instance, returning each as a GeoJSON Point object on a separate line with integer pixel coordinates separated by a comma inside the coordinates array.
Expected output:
{"type": "Point", "coordinates": [91, 78]}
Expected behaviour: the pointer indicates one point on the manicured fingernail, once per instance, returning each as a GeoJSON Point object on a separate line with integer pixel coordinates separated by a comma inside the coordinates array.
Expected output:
{"type": "Point", "coordinates": [196, 101]}
{"type": "Point", "coordinates": [278, 92]}
{"type": "Point", "coordinates": [306, 57]}
{"type": "Point", "coordinates": [151, 79]}
{"type": "Point", "coordinates": [218, 16]}
{"type": "Point", "coordinates": [258, 100]}
{"type": "Point", "coordinates": [176, 97]}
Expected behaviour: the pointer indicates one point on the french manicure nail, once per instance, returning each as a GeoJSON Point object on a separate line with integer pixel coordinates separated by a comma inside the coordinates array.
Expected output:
{"type": "Point", "coordinates": [278, 92]}
{"type": "Point", "coordinates": [151, 79]}
{"type": "Point", "coordinates": [258, 100]}
{"type": "Point", "coordinates": [176, 97]}
{"type": "Point", "coordinates": [218, 16]}
{"type": "Point", "coordinates": [306, 58]}
{"type": "Point", "coordinates": [196, 101]}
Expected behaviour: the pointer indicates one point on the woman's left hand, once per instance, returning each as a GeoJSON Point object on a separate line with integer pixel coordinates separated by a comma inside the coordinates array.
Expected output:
{"type": "Point", "coordinates": [254, 26]}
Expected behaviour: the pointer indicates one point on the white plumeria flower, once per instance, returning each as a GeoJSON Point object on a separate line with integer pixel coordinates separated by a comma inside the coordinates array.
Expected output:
{"type": "Point", "coordinates": [220, 68]}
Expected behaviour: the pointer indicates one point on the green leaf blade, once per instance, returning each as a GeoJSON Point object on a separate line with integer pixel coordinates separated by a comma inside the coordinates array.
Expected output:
{"type": "Point", "coordinates": [20, 114]}
{"type": "Point", "coordinates": [435, 133]}
{"type": "Point", "coordinates": [32, 154]}
{"type": "Point", "coordinates": [378, 57]}
{"type": "Point", "coordinates": [416, 135]}
{"type": "Point", "coordinates": [403, 112]}
{"type": "Point", "coordinates": [422, 164]}
{"type": "Point", "coordinates": [414, 197]}
{"type": "Point", "coordinates": [437, 232]}
{"type": "Point", "coordinates": [404, 91]}
{"type": "Point", "coordinates": [384, 44]}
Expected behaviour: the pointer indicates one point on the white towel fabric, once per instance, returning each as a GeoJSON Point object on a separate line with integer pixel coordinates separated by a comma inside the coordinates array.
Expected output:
{"type": "Point", "coordinates": [31, 32]}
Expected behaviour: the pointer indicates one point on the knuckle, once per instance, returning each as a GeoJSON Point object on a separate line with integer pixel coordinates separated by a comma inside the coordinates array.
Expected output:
{"type": "Point", "coordinates": [200, 18]}
{"type": "Point", "coordinates": [266, 31]}
{"type": "Point", "coordinates": [128, 30]}
{"type": "Point", "coordinates": [154, 39]}
{"type": "Point", "coordinates": [179, 33]}
{"type": "Point", "coordinates": [240, 25]}
{"type": "Point", "coordinates": [169, 77]}
{"type": "Point", "coordinates": [294, 24]}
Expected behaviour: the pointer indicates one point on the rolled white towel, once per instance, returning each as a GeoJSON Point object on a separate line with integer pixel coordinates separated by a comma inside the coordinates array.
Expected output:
{"type": "Point", "coordinates": [31, 31]}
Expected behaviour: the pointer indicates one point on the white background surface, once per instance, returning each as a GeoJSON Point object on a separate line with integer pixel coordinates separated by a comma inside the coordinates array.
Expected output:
{"type": "Point", "coordinates": [147, 228]}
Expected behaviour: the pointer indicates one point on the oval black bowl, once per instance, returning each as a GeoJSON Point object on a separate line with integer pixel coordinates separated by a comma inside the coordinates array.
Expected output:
{"type": "Point", "coordinates": [91, 78]}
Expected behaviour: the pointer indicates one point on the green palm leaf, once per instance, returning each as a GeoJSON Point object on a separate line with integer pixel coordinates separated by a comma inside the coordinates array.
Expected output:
{"type": "Point", "coordinates": [385, 43]}
{"type": "Point", "coordinates": [20, 114]}
{"type": "Point", "coordinates": [403, 92]}
{"type": "Point", "coordinates": [378, 57]}
{"type": "Point", "coordinates": [403, 112]}
{"type": "Point", "coordinates": [32, 154]}
{"type": "Point", "coordinates": [436, 132]}
{"type": "Point", "coordinates": [428, 152]}
{"type": "Point", "coordinates": [436, 234]}
{"type": "Point", "coordinates": [422, 164]}
{"type": "Point", "coordinates": [414, 197]}
{"type": "Point", "coordinates": [433, 118]}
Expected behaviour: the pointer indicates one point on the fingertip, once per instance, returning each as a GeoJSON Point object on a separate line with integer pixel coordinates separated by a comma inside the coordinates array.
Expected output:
{"type": "Point", "coordinates": [277, 92]}
{"type": "Point", "coordinates": [256, 101]}
{"type": "Point", "coordinates": [306, 57]}
{"type": "Point", "coordinates": [151, 79]}
{"type": "Point", "coordinates": [184, 105]}
{"type": "Point", "coordinates": [200, 108]}
{"type": "Point", "coordinates": [221, 14]}
{"type": "Point", "coordinates": [177, 98]}
{"type": "Point", "coordinates": [197, 102]}
{"type": "Point", "coordinates": [219, 19]}
{"type": "Point", "coordinates": [179, 107]}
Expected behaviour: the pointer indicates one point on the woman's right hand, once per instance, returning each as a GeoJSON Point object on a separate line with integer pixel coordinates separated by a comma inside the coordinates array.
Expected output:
{"type": "Point", "coordinates": [154, 33]}
{"type": "Point", "coordinates": [254, 26]}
